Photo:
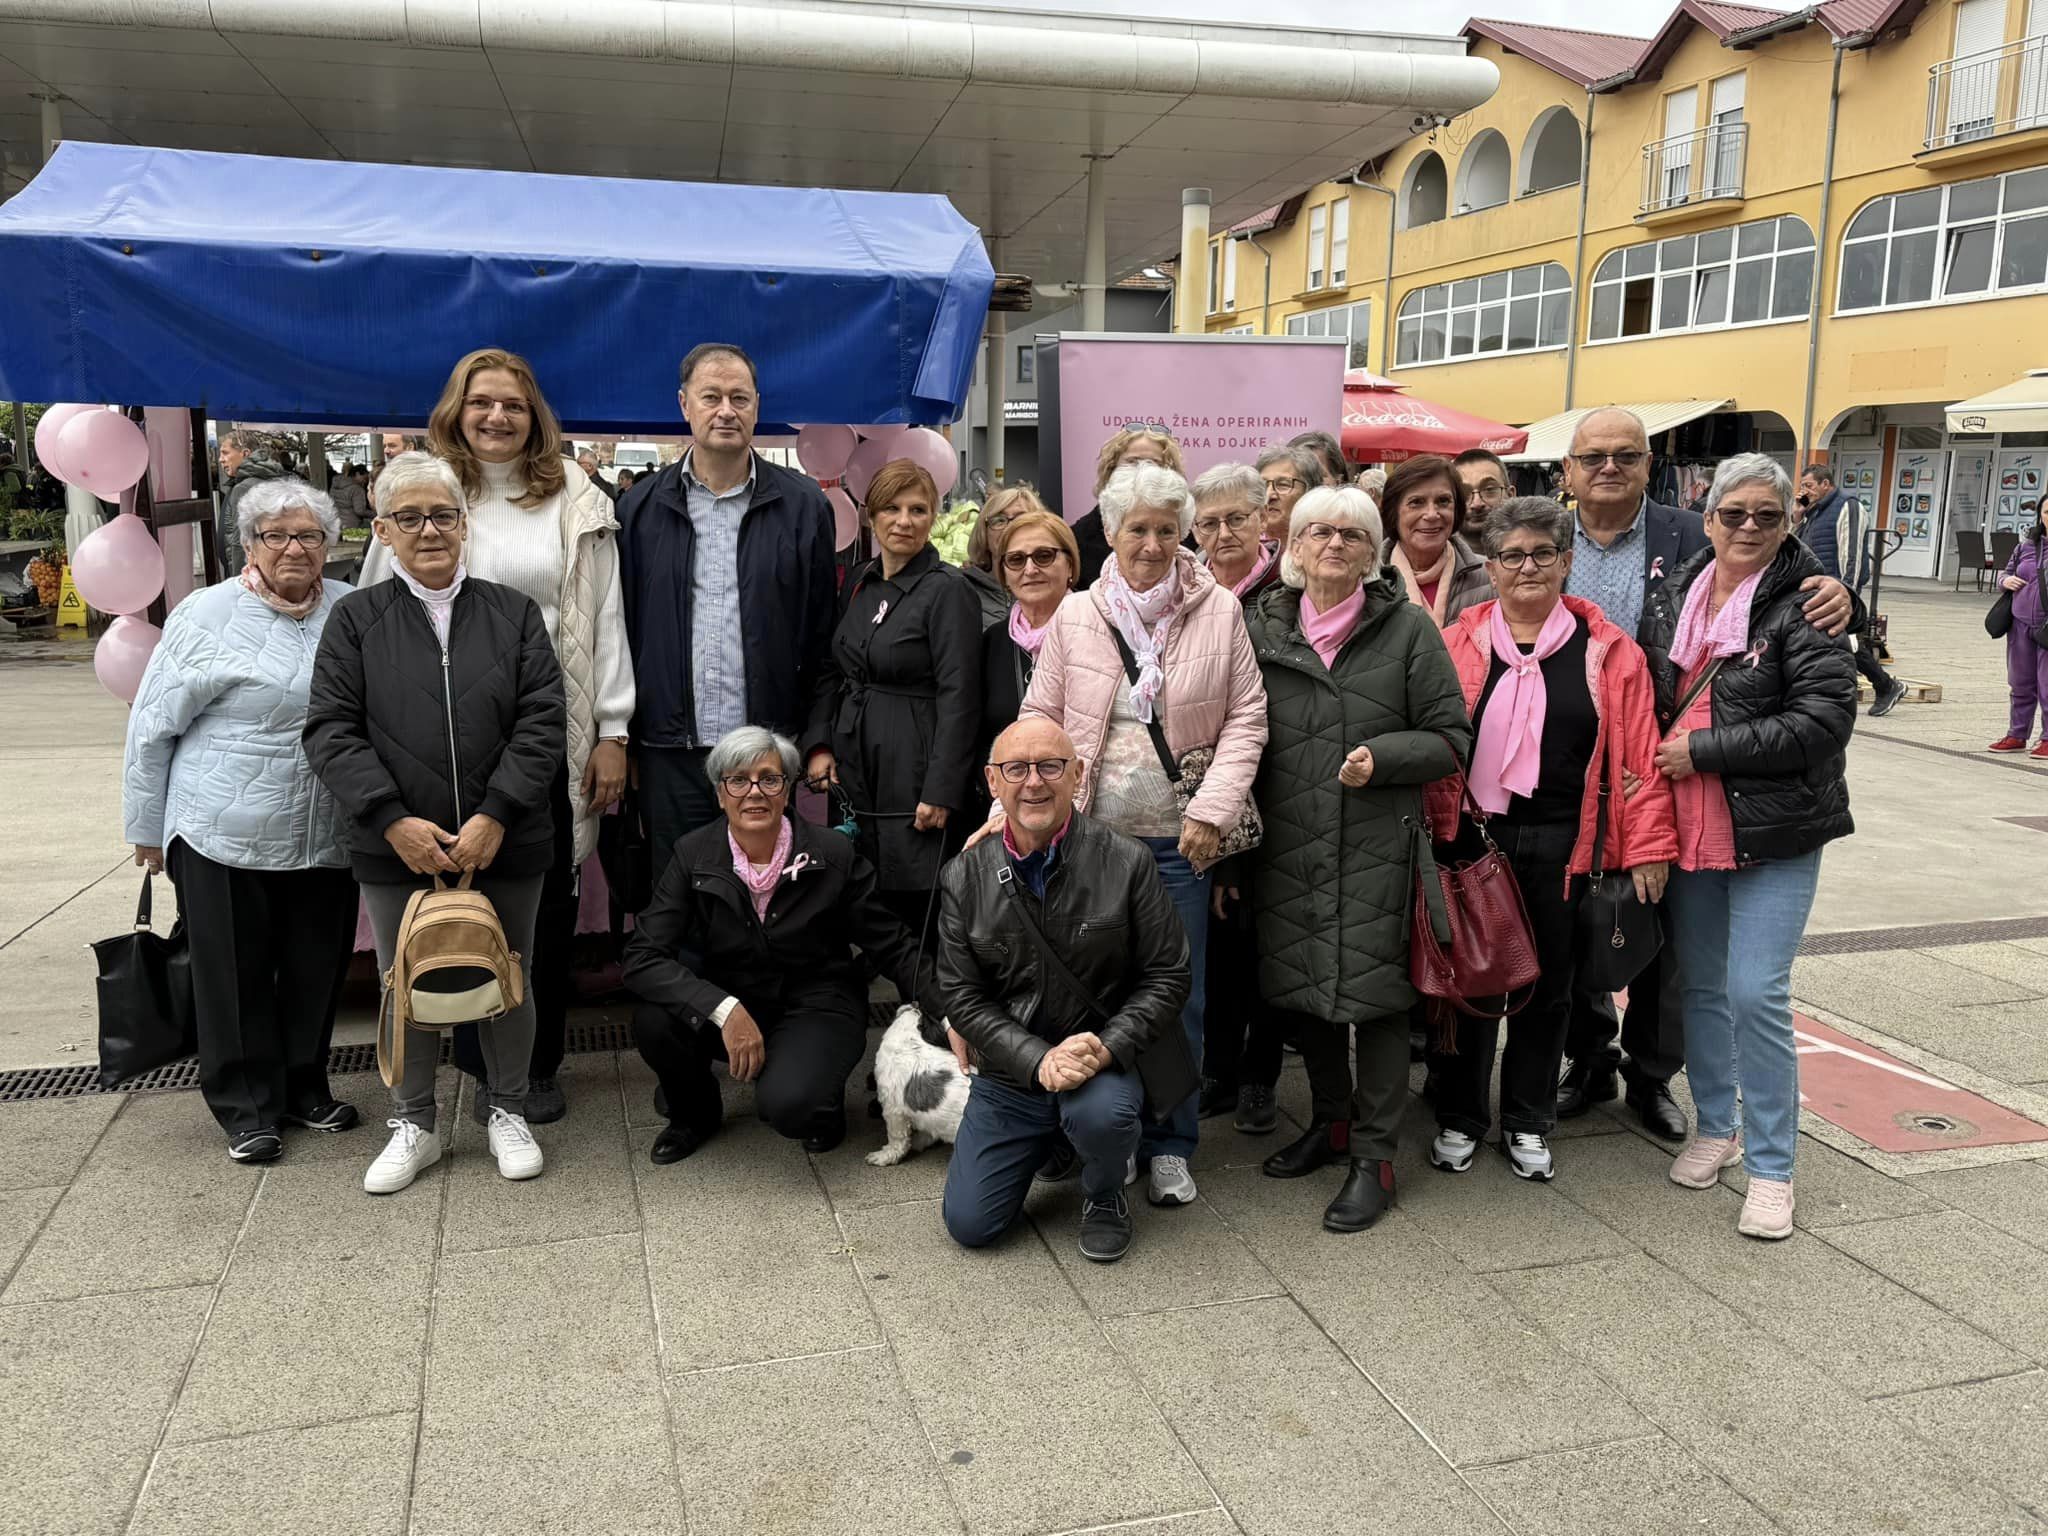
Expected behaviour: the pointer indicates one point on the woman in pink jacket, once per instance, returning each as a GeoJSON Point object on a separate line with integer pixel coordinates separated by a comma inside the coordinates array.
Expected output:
{"type": "Point", "coordinates": [1154, 647]}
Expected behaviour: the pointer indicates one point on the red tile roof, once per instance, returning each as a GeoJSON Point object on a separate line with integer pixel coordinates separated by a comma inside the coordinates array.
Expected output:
{"type": "Point", "coordinates": [1723, 19]}
{"type": "Point", "coordinates": [1582, 57]}
{"type": "Point", "coordinates": [1861, 18]}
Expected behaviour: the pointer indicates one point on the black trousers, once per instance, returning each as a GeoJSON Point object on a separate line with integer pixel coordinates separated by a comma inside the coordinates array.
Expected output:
{"type": "Point", "coordinates": [1241, 1037]}
{"type": "Point", "coordinates": [269, 951]}
{"type": "Point", "coordinates": [1652, 1032]}
{"type": "Point", "coordinates": [1868, 664]}
{"type": "Point", "coordinates": [676, 796]}
{"type": "Point", "coordinates": [1529, 1067]}
{"type": "Point", "coordinates": [808, 1055]}
{"type": "Point", "coordinates": [1374, 1103]}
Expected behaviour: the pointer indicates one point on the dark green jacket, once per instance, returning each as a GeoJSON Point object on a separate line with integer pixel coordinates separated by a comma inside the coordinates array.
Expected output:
{"type": "Point", "coordinates": [1333, 881]}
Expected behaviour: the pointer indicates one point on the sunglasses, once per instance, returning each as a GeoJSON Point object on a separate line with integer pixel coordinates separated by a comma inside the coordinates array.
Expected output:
{"type": "Point", "coordinates": [1735, 517]}
{"type": "Point", "coordinates": [1043, 558]}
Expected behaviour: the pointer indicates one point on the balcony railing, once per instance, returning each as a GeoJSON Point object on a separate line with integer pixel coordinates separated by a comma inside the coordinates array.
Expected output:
{"type": "Point", "coordinates": [1696, 167]}
{"type": "Point", "coordinates": [1982, 95]}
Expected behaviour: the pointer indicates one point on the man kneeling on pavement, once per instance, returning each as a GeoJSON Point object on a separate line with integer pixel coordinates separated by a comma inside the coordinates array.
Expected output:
{"type": "Point", "coordinates": [1064, 967]}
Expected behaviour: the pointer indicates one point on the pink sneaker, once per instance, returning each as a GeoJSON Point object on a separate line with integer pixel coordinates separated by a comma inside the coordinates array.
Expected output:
{"type": "Point", "coordinates": [1699, 1165]}
{"type": "Point", "coordinates": [1767, 1213]}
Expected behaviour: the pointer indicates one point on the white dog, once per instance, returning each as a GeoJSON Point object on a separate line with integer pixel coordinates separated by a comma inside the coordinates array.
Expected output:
{"type": "Point", "coordinates": [922, 1089]}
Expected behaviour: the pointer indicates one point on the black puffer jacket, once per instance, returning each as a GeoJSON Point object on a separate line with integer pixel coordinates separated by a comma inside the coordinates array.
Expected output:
{"type": "Point", "coordinates": [1782, 712]}
{"type": "Point", "coordinates": [379, 732]}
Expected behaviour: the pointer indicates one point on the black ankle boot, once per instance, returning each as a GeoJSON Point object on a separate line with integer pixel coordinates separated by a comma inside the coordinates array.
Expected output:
{"type": "Point", "coordinates": [1319, 1146]}
{"type": "Point", "coordinates": [1364, 1198]}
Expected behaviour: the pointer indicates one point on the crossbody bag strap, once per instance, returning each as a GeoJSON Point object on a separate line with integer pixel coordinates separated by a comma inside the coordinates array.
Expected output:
{"type": "Point", "coordinates": [1699, 686]}
{"type": "Point", "coordinates": [1152, 726]}
{"type": "Point", "coordinates": [1600, 826]}
{"type": "Point", "coordinates": [1007, 879]}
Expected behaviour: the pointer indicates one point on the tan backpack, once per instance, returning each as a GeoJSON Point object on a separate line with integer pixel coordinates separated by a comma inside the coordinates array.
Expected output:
{"type": "Point", "coordinates": [450, 965]}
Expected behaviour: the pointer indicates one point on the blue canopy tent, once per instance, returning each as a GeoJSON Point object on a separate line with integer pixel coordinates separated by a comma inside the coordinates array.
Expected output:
{"type": "Point", "coordinates": [336, 293]}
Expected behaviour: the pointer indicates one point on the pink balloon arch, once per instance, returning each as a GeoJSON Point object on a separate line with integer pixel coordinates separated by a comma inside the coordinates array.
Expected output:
{"type": "Point", "coordinates": [122, 656]}
{"type": "Point", "coordinates": [119, 568]}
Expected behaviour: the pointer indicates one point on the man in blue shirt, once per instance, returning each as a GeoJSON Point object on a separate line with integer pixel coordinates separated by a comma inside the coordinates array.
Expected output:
{"type": "Point", "coordinates": [1833, 528]}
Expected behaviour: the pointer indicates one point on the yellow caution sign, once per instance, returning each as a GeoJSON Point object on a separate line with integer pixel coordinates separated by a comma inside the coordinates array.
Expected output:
{"type": "Point", "coordinates": [70, 606]}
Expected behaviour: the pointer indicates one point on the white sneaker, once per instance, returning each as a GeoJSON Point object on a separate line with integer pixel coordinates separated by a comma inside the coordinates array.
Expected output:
{"type": "Point", "coordinates": [1452, 1150]}
{"type": "Point", "coordinates": [1130, 1171]}
{"type": "Point", "coordinates": [1172, 1184]}
{"type": "Point", "coordinates": [1528, 1154]}
{"type": "Point", "coordinates": [410, 1153]}
{"type": "Point", "coordinates": [1767, 1210]}
{"type": "Point", "coordinates": [512, 1144]}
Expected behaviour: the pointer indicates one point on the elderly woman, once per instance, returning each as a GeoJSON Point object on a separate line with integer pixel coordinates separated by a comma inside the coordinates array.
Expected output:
{"type": "Point", "coordinates": [1365, 711]}
{"type": "Point", "coordinates": [1425, 501]}
{"type": "Point", "coordinates": [746, 956]}
{"type": "Point", "coordinates": [1156, 651]}
{"type": "Point", "coordinates": [898, 710]}
{"type": "Point", "coordinates": [1758, 704]}
{"type": "Point", "coordinates": [1149, 444]}
{"type": "Point", "coordinates": [1038, 558]}
{"type": "Point", "coordinates": [1289, 474]}
{"type": "Point", "coordinates": [1229, 530]}
{"type": "Point", "coordinates": [436, 719]}
{"type": "Point", "coordinates": [538, 524]}
{"type": "Point", "coordinates": [214, 774]}
{"type": "Point", "coordinates": [1002, 508]}
{"type": "Point", "coordinates": [1562, 708]}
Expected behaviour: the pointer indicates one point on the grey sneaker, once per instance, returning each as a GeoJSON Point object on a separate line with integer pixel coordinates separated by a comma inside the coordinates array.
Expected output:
{"type": "Point", "coordinates": [1528, 1155]}
{"type": "Point", "coordinates": [1256, 1113]}
{"type": "Point", "coordinates": [1172, 1184]}
{"type": "Point", "coordinates": [1105, 1229]}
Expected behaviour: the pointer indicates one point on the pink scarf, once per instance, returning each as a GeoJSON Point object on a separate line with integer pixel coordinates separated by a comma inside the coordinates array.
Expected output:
{"type": "Point", "coordinates": [1021, 631]}
{"type": "Point", "coordinates": [1145, 620]}
{"type": "Point", "coordinates": [1415, 580]}
{"type": "Point", "coordinates": [760, 880]}
{"type": "Point", "coordinates": [1508, 753]}
{"type": "Point", "coordinates": [1269, 551]}
{"type": "Point", "coordinates": [1325, 632]}
{"type": "Point", "coordinates": [1701, 639]}
{"type": "Point", "coordinates": [252, 578]}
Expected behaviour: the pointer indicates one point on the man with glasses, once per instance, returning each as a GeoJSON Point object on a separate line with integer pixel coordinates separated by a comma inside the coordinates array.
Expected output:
{"type": "Point", "coordinates": [1487, 483]}
{"type": "Point", "coordinates": [1064, 967]}
{"type": "Point", "coordinates": [1289, 473]}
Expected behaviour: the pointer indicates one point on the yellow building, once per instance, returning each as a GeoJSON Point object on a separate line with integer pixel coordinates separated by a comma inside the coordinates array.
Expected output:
{"type": "Point", "coordinates": [1760, 228]}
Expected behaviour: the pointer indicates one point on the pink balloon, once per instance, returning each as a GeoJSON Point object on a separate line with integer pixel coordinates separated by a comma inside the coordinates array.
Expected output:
{"type": "Point", "coordinates": [869, 457]}
{"type": "Point", "coordinates": [49, 429]}
{"type": "Point", "coordinates": [930, 451]}
{"type": "Point", "coordinates": [882, 434]}
{"type": "Point", "coordinates": [103, 451]}
{"type": "Point", "coordinates": [845, 517]}
{"type": "Point", "coordinates": [823, 450]}
{"type": "Point", "coordinates": [119, 568]}
{"type": "Point", "coordinates": [122, 656]}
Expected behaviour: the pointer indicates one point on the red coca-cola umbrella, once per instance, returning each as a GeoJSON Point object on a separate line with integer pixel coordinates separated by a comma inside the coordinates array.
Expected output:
{"type": "Point", "coordinates": [1382, 425]}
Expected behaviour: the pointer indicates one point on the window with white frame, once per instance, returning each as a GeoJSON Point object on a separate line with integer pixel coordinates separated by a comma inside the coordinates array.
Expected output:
{"type": "Point", "coordinates": [1240, 330]}
{"type": "Point", "coordinates": [1318, 238]}
{"type": "Point", "coordinates": [1745, 274]}
{"type": "Point", "coordinates": [1521, 310]}
{"type": "Point", "coordinates": [1352, 321]}
{"type": "Point", "coordinates": [1215, 267]}
{"type": "Point", "coordinates": [1968, 240]}
{"type": "Point", "coordinates": [1340, 242]}
{"type": "Point", "coordinates": [1230, 274]}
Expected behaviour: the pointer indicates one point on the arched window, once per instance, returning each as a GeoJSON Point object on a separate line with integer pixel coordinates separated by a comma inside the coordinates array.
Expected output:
{"type": "Point", "coordinates": [1550, 155]}
{"type": "Point", "coordinates": [1967, 240]}
{"type": "Point", "coordinates": [1484, 171]}
{"type": "Point", "coordinates": [1523, 310]}
{"type": "Point", "coordinates": [1745, 274]}
{"type": "Point", "coordinates": [1425, 191]}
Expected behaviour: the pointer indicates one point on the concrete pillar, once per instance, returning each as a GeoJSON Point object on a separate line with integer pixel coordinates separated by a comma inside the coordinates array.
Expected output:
{"type": "Point", "coordinates": [53, 124]}
{"type": "Point", "coordinates": [996, 395]}
{"type": "Point", "coordinates": [1095, 252]}
{"type": "Point", "coordinates": [1191, 291]}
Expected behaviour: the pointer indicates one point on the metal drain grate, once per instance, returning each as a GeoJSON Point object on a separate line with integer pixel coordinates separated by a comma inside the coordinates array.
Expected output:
{"type": "Point", "coordinates": [1864, 941]}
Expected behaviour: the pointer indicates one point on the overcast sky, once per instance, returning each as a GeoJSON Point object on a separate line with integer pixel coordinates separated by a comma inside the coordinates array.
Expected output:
{"type": "Point", "coordinates": [1638, 18]}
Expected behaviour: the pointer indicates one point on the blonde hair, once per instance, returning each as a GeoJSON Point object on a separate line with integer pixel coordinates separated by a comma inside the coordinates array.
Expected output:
{"type": "Point", "coordinates": [540, 461]}
{"type": "Point", "coordinates": [1106, 462]}
{"type": "Point", "coordinates": [978, 551]}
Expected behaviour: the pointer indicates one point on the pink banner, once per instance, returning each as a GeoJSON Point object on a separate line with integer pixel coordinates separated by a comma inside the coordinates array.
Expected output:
{"type": "Point", "coordinates": [1223, 397]}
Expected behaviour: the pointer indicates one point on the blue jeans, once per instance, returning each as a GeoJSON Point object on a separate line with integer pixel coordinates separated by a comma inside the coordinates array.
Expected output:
{"type": "Point", "coordinates": [1005, 1133]}
{"type": "Point", "coordinates": [1737, 931]}
{"type": "Point", "coordinates": [1177, 1133]}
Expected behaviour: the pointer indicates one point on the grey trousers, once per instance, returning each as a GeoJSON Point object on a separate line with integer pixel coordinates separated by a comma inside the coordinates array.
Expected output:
{"type": "Point", "coordinates": [507, 1040]}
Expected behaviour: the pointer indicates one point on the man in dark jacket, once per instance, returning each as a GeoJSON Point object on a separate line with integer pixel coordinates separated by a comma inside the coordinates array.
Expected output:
{"type": "Point", "coordinates": [726, 561]}
{"type": "Point", "coordinates": [240, 469]}
{"type": "Point", "coordinates": [1065, 969]}
{"type": "Point", "coordinates": [1833, 527]}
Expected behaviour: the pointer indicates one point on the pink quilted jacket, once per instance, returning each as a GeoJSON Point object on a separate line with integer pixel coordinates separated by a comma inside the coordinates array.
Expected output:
{"type": "Point", "coordinates": [1214, 696]}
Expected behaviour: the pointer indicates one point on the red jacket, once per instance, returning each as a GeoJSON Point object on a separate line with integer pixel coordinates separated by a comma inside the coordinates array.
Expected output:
{"type": "Point", "coordinates": [1642, 830]}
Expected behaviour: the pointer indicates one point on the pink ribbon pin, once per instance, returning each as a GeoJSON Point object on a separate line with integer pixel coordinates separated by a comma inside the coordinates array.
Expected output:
{"type": "Point", "coordinates": [797, 866]}
{"type": "Point", "coordinates": [1657, 569]}
{"type": "Point", "coordinates": [881, 613]}
{"type": "Point", "coordinates": [1756, 653]}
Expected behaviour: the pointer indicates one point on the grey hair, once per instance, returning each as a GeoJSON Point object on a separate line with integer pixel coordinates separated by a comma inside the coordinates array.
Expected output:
{"type": "Point", "coordinates": [1146, 485]}
{"type": "Point", "coordinates": [1539, 514]}
{"type": "Point", "coordinates": [411, 471]}
{"type": "Point", "coordinates": [1307, 467]}
{"type": "Point", "coordinates": [1373, 482]}
{"type": "Point", "coordinates": [1611, 410]}
{"type": "Point", "coordinates": [1230, 482]}
{"type": "Point", "coordinates": [1343, 505]}
{"type": "Point", "coordinates": [1749, 469]}
{"type": "Point", "coordinates": [739, 748]}
{"type": "Point", "coordinates": [265, 499]}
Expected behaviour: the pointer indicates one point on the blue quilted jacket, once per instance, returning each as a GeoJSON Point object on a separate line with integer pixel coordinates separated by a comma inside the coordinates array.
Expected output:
{"type": "Point", "coordinates": [214, 756]}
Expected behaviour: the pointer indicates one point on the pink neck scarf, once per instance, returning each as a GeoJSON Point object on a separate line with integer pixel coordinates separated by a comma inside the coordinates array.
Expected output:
{"type": "Point", "coordinates": [1726, 634]}
{"type": "Point", "coordinates": [1415, 580]}
{"type": "Point", "coordinates": [760, 880]}
{"type": "Point", "coordinates": [1325, 632]}
{"type": "Point", "coordinates": [1022, 632]}
{"type": "Point", "coordinates": [1508, 753]}
{"type": "Point", "coordinates": [1269, 551]}
{"type": "Point", "coordinates": [252, 578]}
{"type": "Point", "coordinates": [1145, 620]}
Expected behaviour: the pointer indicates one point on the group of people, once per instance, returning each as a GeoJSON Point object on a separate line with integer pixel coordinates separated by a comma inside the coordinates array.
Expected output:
{"type": "Point", "coordinates": [1122, 833]}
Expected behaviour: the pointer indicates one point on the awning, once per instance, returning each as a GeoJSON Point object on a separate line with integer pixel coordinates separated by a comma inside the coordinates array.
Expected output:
{"type": "Point", "coordinates": [323, 291]}
{"type": "Point", "coordinates": [2021, 406]}
{"type": "Point", "coordinates": [1381, 427]}
{"type": "Point", "coordinates": [1551, 438]}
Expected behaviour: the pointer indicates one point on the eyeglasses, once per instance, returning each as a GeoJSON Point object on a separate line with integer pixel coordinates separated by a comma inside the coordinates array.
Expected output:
{"type": "Point", "coordinates": [1514, 559]}
{"type": "Point", "coordinates": [277, 538]}
{"type": "Point", "coordinates": [1285, 484]}
{"type": "Point", "coordinates": [999, 520]}
{"type": "Point", "coordinates": [1322, 533]}
{"type": "Point", "coordinates": [1050, 770]}
{"type": "Point", "coordinates": [1628, 458]}
{"type": "Point", "coordinates": [444, 519]}
{"type": "Point", "coordinates": [1488, 490]}
{"type": "Point", "coordinates": [484, 404]}
{"type": "Point", "coordinates": [1234, 522]}
{"type": "Point", "coordinates": [1043, 558]}
{"type": "Point", "coordinates": [739, 786]}
{"type": "Point", "coordinates": [1735, 517]}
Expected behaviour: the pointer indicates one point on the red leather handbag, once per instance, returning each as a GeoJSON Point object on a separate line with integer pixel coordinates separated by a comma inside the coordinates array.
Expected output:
{"type": "Point", "coordinates": [1470, 945]}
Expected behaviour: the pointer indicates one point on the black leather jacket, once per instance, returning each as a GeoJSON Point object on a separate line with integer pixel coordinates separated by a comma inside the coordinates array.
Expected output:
{"type": "Point", "coordinates": [1109, 918]}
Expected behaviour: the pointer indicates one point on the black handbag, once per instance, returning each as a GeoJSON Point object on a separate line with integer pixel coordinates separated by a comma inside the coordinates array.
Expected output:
{"type": "Point", "coordinates": [1618, 932]}
{"type": "Point", "coordinates": [145, 994]}
{"type": "Point", "coordinates": [625, 852]}
{"type": "Point", "coordinates": [1998, 618]}
{"type": "Point", "coordinates": [1186, 775]}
